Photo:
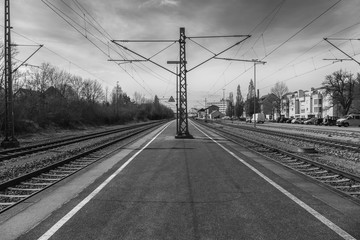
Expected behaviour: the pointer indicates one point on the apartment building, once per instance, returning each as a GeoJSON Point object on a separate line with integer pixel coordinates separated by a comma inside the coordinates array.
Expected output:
{"type": "Point", "coordinates": [307, 104]}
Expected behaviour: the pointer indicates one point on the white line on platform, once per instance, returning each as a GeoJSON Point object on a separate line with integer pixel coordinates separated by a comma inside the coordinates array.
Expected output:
{"type": "Point", "coordinates": [70, 214]}
{"type": "Point", "coordinates": [312, 211]}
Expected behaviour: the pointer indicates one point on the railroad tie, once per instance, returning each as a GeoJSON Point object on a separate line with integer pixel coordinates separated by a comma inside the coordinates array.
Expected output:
{"type": "Point", "coordinates": [25, 189]}
{"type": "Point", "coordinates": [327, 176]}
{"type": "Point", "coordinates": [13, 196]}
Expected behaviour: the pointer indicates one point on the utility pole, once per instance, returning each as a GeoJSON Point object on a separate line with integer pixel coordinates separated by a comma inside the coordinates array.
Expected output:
{"type": "Point", "coordinates": [10, 141]}
{"type": "Point", "coordinates": [206, 111]}
{"type": "Point", "coordinates": [183, 130]}
{"type": "Point", "coordinates": [183, 116]}
{"type": "Point", "coordinates": [255, 62]}
{"type": "Point", "coordinates": [223, 101]}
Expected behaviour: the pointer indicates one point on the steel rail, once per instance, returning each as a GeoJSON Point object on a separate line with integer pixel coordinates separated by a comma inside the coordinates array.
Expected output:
{"type": "Point", "coordinates": [21, 180]}
{"type": "Point", "coordinates": [22, 151]}
{"type": "Point", "coordinates": [313, 139]}
{"type": "Point", "coordinates": [337, 173]}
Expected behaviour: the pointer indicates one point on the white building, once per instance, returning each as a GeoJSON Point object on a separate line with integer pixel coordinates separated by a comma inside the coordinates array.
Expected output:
{"type": "Point", "coordinates": [307, 104]}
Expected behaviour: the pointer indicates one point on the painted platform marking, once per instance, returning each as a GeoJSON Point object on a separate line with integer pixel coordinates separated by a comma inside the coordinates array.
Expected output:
{"type": "Point", "coordinates": [309, 209]}
{"type": "Point", "coordinates": [70, 214]}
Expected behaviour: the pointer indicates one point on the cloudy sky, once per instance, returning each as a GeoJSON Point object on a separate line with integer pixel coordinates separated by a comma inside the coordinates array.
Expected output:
{"type": "Point", "coordinates": [286, 34]}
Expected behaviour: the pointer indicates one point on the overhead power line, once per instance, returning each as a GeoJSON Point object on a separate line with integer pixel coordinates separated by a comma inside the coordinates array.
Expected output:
{"type": "Point", "coordinates": [76, 26]}
{"type": "Point", "coordinates": [303, 28]}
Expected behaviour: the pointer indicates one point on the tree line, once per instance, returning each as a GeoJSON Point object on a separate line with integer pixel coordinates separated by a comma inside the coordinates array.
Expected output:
{"type": "Point", "coordinates": [45, 96]}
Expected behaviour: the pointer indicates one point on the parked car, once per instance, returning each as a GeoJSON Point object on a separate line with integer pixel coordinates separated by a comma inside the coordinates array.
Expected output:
{"type": "Point", "coordinates": [289, 120]}
{"type": "Point", "coordinates": [297, 121]}
{"type": "Point", "coordinates": [329, 122]}
{"type": "Point", "coordinates": [319, 121]}
{"type": "Point", "coordinates": [282, 119]}
{"type": "Point", "coordinates": [310, 121]}
{"type": "Point", "coordinates": [350, 120]}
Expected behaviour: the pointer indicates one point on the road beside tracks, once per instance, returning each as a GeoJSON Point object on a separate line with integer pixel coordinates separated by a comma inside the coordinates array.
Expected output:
{"type": "Point", "coordinates": [201, 188]}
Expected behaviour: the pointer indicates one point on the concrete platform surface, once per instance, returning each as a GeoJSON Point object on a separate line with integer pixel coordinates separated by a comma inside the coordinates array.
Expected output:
{"type": "Point", "coordinates": [201, 188]}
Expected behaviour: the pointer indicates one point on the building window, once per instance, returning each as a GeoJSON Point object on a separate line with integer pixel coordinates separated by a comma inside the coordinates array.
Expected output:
{"type": "Point", "coordinates": [317, 101]}
{"type": "Point", "coordinates": [317, 109]}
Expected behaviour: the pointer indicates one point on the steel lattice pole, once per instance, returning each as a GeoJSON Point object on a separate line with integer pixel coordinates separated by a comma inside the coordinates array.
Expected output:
{"type": "Point", "coordinates": [10, 140]}
{"type": "Point", "coordinates": [183, 116]}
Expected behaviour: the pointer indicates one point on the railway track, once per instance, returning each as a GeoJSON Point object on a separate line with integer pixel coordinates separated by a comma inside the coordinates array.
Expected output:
{"type": "Point", "coordinates": [350, 146]}
{"type": "Point", "coordinates": [343, 182]}
{"type": "Point", "coordinates": [21, 188]}
{"type": "Point", "coordinates": [35, 148]}
{"type": "Point", "coordinates": [334, 131]}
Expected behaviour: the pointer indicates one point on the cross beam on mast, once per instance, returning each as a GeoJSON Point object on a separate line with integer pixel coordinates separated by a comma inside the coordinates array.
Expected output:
{"type": "Point", "coordinates": [141, 56]}
{"type": "Point", "coordinates": [217, 54]}
{"type": "Point", "coordinates": [182, 117]}
{"type": "Point", "coordinates": [24, 62]}
{"type": "Point", "coordinates": [327, 39]}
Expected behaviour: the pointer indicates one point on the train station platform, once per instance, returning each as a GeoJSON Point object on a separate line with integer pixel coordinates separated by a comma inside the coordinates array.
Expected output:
{"type": "Point", "coordinates": [203, 188]}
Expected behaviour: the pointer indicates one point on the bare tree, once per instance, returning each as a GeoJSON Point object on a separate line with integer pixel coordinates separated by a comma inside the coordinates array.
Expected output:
{"type": "Point", "coordinates": [279, 90]}
{"type": "Point", "coordinates": [92, 91]}
{"type": "Point", "coordinates": [340, 86]}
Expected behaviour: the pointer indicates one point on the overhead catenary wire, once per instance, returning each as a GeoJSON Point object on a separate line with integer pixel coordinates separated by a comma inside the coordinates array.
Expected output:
{"type": "Point", "coordinates": [284, 42]}
{"type": "Point", "coordinates": [104, 43]}
{"type": "Point", "coordinates": [67, 19]}
{"type": "Point", "coordinates": [302, 29]}
{"type": "Point", "coordinates": [57, 54]}
{"type": "Point", "coordinates": [308, 50]}
{"type": "Point", "coordinates": [275, 10]}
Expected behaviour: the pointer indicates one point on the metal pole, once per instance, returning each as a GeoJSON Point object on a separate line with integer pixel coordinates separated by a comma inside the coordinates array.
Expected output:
{"type": "Point", "coordinates": [177, 101]}
{"type": "Point", "coordinates": [10, 141]}
{"type": "Point", "coordinates": [254, 94]}
{"type": "Point", "coordinates": [183, 118]}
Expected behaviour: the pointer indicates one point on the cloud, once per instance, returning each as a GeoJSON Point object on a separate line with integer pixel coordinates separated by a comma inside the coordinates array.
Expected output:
{"type": "Point", "coordinates": [159, 3]}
